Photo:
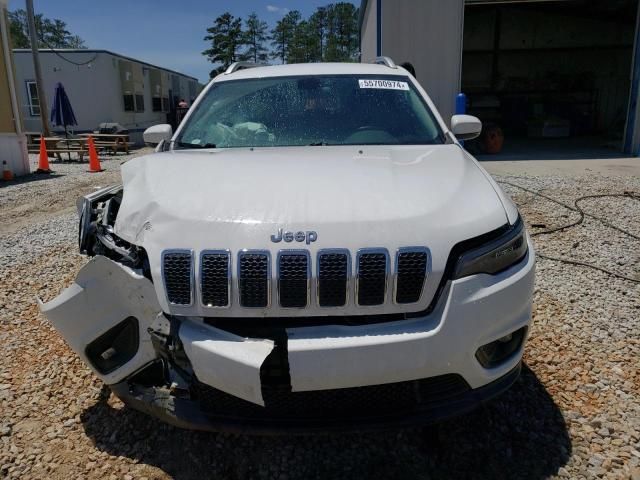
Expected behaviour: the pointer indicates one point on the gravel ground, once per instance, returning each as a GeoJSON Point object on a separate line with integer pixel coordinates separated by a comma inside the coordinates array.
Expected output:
{"type": "Point", "coordinates": [574, 413]}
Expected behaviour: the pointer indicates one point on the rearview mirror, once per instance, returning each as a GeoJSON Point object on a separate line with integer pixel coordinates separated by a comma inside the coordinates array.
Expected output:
{"type": "Point", "coordinates": [465, 127]}
{"type": "Point", "coordinates": [157, 133]}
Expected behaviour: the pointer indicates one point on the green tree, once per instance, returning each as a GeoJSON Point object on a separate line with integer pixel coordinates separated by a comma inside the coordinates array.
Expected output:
{"type": "Point", "coordinates": [318, 32]}
{"type": "Point", "coordinates": [342, 32]}
{"type": "Point", "coordinates": [282, 35]}
{"type": "Point", "coordinates": [303, 46]}
{"type": "Point", "coordinates": [226, 38]}
{"type": "Point", "coordinates": [51, 33]}
{"type": "Point", "coordinates": [255, 38]}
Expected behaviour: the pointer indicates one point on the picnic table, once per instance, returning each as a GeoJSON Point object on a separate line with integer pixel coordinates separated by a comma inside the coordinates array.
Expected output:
{"type": "Point", "coordinates": [59, 145]}
{"type": "Point", "coordinates": [110, 141]}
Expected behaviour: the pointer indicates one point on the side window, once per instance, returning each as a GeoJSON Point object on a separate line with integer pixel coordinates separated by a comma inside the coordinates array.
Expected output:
{"type": "Point", "coordinates": [139, 103]}
{"type": "Point", "coordinates": [34, 101]}
{"type": "Point", "coordinates": [128, 103]}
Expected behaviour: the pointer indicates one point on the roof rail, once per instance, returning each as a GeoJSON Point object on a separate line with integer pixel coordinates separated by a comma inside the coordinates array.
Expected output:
{"type": "Point", "coordinates": [385, 61]}
{"type": "Point", "coordinates": [234, 67]}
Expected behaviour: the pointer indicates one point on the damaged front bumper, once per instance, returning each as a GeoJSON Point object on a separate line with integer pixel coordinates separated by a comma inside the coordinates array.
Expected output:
{"type": "Point", "coordinates": [187, 411]}
{"type": "Point", "coordinates": [331, 377]}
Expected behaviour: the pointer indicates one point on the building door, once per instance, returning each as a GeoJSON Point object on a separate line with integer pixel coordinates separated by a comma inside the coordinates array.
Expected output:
{"type": "Point", "coordinates": [554, 77]}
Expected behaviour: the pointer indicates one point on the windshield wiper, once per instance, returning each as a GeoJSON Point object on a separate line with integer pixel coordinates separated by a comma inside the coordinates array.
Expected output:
{"type": "Point", "coordinates": [195, 145]}
{"type": "Point", "coordinates": [318, 144]}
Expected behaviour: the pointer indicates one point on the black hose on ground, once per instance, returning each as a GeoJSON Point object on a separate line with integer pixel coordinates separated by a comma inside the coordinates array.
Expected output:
{"type": "Point", "coordinates": [583, 214]}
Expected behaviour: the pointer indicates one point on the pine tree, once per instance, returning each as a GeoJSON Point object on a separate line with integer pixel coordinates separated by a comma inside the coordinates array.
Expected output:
{"type": "Point", "coordinates": [342, 32]}
{"type": "Point", "coordinates": [226, 38]}
{"type": "Point", "coordinates": [282, 36]}
{"type": "Point", "coordinates": [301, 49]}
{"type": "Point", "coordinates": [255, 37]}
{"type": "Point", "coordinates": [318, 32]}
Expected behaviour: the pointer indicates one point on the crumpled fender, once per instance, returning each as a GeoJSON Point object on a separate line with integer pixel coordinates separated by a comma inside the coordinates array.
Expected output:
{"type": "Point", "coordinates": [105, 293]}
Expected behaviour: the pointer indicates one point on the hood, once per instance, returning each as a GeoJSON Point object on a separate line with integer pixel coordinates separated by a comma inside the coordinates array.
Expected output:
{"type": "Point", "coordinates": [353, 197]}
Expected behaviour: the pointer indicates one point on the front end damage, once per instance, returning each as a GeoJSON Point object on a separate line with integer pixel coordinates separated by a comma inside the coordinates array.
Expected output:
{"type": "Point", "coordinates": [284, 374]}
{"type": "Point", "coordinates": [194, 375]}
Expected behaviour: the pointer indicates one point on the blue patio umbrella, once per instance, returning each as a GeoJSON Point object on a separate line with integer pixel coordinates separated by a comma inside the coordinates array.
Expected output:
{"type": "Point", "coordinates": [61, 111]}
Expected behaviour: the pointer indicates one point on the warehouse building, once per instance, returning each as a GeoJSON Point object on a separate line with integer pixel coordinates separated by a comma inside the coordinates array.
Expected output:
{"type": "Point", "coordinates": [103, 87]}
{"type": "Point", "coordinates": [558, 75]}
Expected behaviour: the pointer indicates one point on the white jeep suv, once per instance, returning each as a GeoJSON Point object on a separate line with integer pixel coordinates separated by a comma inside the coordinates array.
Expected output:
{"type": "Point", "coordinates": [312, 249]}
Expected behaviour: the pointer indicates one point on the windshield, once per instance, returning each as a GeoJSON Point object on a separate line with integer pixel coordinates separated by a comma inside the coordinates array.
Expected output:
{"type": "Point", "coordinates": [319, 110]}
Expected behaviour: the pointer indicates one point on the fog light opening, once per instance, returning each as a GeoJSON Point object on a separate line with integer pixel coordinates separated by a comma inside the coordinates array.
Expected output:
{"type": "Point", "coordinates": [500, 350]}
{"type": "Point", "coordinates": [115, 347]}
{"type": "Point", "coordinates": [506, 338]}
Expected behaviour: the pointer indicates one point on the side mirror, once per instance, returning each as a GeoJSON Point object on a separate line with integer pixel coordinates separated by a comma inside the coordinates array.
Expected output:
{"type": "Point", "coordinates": [157, 133]}
{"type": "Point", "coordinates": [466, 127]}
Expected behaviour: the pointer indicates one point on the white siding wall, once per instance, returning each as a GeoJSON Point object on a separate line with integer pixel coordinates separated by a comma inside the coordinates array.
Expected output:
{"type": "Point", "coordinates": [95, 92]}
{"type": "Point", "coordinates": [369, 33]}
{"type": "Point", "coordinates": [427, 33]}
{"type": "Point", "coordinates": [91, 90]}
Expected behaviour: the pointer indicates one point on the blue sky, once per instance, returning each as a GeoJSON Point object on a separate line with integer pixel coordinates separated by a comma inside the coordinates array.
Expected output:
{"type": "Point", "coordinates": [163, 32]}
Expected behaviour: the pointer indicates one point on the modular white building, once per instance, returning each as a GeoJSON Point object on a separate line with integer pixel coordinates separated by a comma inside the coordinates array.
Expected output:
{"type": "Point", "coordinates": [544, 71]}
{"type": "Point", "coordinates": [102, 86]}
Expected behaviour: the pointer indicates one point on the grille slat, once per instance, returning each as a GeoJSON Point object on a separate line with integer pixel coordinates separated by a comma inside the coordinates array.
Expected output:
{"type": "Point", "coordinates": [372, 276]}
{"type": "Point", "coordinates": [215, 278]}
{"type": "Point", "coordinates": [293, 279]}
{"type": "Point", "coordinates": [333, 274]}
{"type": "Point", "coordinates": [411, 271]}
{"type": "Point", "coordinates": [177, 275]}
{"type": "Point", "coordinates": [254, 278]}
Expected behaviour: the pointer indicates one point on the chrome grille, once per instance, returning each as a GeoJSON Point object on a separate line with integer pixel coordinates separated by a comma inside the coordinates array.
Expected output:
{"type": "Point", "coordinates": [371, 276]}
{"type": "Point", "coordinates": [215, 278]}
{"type": "Point", "coordinates": [334, 269]}
{"type": "Point", "coordinates": [411, 271]}
{"type": "Point", "coordinates": [254, 278]}
{"type": "Point", "coordinates": [177, 271]}
{"type": "Point", "coordinates": [293, 278]}
{"type": "Point", "coordinates": [215, 284]}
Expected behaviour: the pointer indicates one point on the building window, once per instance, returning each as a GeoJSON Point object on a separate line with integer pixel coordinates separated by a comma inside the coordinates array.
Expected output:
{"type": "Point", "coordinates": [139, 103]}
{"type": "Point", "coordinates": [128, 103]}
{"type": "Point", "coordinates": [156, 104]}
{"type": "Point", "coordinates": [34, 101]}
{"type": "Point", "coordinates": [165, 104]}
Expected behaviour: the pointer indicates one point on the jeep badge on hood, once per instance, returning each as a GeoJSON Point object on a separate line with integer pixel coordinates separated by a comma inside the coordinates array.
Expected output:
{"type": "Point", "coordinates": [310, 236]}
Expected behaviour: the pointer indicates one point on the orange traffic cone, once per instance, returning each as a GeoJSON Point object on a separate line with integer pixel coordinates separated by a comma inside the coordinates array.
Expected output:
{"type": "Point", "coordinates": [43, 162]}
{"type": "Point", "coordinates": [6, 173]}
{"type": "Point", "coordinates": [94, 162]}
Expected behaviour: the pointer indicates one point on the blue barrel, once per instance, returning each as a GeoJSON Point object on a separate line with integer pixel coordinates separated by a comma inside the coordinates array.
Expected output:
{"type": "Point", "coordinates": [461, 104]}
{"type": "Point", "coordinates": [461, 107]}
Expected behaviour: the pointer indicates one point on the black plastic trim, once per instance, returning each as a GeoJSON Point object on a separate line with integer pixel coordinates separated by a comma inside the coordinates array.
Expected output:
{"type": "Point", "coordinates": [185, 413]}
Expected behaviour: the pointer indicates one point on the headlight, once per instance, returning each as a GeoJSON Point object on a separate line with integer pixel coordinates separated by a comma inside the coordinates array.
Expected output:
{"type": "Point", "coordinates": [85, 224]}
{"type": "Point", "coordinates": [495, 255]}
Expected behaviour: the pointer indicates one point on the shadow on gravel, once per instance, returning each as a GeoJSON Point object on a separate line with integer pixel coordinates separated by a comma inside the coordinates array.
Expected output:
{"type": "Point", "coordinates": [522, 434]}
{"type": "Point", "coordinates": [32, 177]}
